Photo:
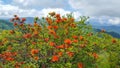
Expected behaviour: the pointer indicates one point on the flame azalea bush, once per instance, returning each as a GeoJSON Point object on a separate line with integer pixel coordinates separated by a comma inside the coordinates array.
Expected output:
{"type": "Point", "coordinates": [57, 42]}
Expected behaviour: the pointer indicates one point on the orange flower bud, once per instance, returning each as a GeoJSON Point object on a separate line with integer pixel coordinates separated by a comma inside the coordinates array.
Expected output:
{"type": "Point", "coordinates": [72, 19]}
{"type": "Point", "coordinates": [75, 41]}
{"type": "Point", "coordinates": [57, 15]}
{"type": "Point", "coordinates": [82, 45]}
{"type": "Point", "coordinates": [114, 40]}
{"type": "Point", "coordinates": [60, 46]}
{"type": "Point", "coordinates": [49, 27]}
{"type": "Point", "coordinates": [23, 19]}
{"type": "Point", "coordinates": [34, 51]}
{"type": "Point", "coordinates": [33, 43]}
{"type": "Point", "coordinates": [15, 24]}
{"type": "Point", "coordinates": [68, 41]}
{"type": "Point", "coordinates": [46, 39]}
{"type": "Point", "coordinates": [55, 27]}
{"type": "Point", "coordinates": [36, 58]}
{"type": "Point", "coordinates": [28, 35]}
{"type": "Point", "coordinates": [70, 54]}
{"type": "Point", "coordinates": [80, 65]}
{"type": "Point", "coordinates": [12, 31]}
{"type": "Point", "coordinates": [35, 24]}
{"type": "Point", "coordinates": [52, 44]}
{"type": "Point", "coordinates": [75, 37]}
{"type": "Point", "coordinates": [35, 33]}
{"type": "Point", "coordinates": [52, 32]}
{"type": "Point", "coordinates": [55, 58]}
{"type": "Point", "coordinates": [95, 55]}
{"type": "Point", "coordinates": [103, 30]}
{"type": "Point", "coordinates": [81, 38]}
{"type": "Point", "coordinates": [60, 54]}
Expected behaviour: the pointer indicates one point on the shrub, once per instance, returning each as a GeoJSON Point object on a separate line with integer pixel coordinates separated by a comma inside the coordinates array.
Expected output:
{"type": "Point", "coordinates": [57, 42]}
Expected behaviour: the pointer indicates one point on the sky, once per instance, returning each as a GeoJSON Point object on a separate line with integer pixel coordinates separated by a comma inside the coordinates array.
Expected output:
{"type": "Point", "coordinates": [101, 11]}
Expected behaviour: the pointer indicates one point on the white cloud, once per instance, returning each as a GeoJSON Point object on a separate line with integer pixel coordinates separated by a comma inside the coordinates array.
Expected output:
{"type": "Point", "coordinates": [77, 14]}
{"type": "Point", "coordinates": [76, 4]}
{"type": "Point", "coordinates": [0, 1]}
{"type": "Point", "coordinates": [115, 21]}
{"type": "Point", "coordinates": [57, 10]}
{"type": "Point", "coordinates": [97, 7]}
{"type": "Point", "coordinates": [40, 3]}
{"type": "Point", "coordinates": [9, 11]}
{"type": "Point", "coordinates": [105, 20]}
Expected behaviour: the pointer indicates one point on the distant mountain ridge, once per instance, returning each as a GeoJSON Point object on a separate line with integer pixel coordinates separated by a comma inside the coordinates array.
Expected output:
{"type": "Point", "coordinates": [5, 25]}
{"type": "Point", "coordinates": [114, 34]}
{"type": "Point", "coordinates": [111, 28]}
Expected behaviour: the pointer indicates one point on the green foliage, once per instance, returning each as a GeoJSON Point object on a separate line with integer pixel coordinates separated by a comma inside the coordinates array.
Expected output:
{"type": "Point", "coordinates": [5, 25]}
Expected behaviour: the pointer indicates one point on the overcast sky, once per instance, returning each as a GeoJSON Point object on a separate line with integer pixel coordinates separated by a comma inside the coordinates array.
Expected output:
{"type": "Point", "coordinates": [104, 11]}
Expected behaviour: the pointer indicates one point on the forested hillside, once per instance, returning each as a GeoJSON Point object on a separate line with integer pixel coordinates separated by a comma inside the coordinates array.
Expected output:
{"type": "Point", "coordinates": [4, 24]}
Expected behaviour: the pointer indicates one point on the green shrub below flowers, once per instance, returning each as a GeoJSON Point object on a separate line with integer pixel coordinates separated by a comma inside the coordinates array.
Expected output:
{"type": "Point", "coordinates": [57, 42]}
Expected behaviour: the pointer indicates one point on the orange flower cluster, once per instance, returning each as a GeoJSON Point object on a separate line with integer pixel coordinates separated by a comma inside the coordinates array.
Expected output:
{"type": "Point", "coordinates": [28, 35]}
{"type": "Point", "coordinates": [103, 30]}
{"type": "Point", "coordinates": [52, 32]}
{"type": "Point", "coordinates": [67, 41]}
{"type": "Point", "coordinates": [36, 24]}
{"type": "Point", "coordinates": [60, 46]}
{"type": "Point", "coordinates": [18, 64]}
{"type": "Point", "coordinates": [90, 34]}
{"type": "Point", "coordinates": [75, 41]}
{"type": "Point", "coordinates": [60, 54]}
{"type": "Point", "coordinates": [54, 27]}
{"type": "Point", "coordinates": [82, 45]}
{"type": "Point", "coordinates": [49, 20]}
{"type": "Point", "coordinates": [81, 38]}
{"type": "Point", "coordinates": [12, 31]}
{"type": "Point", "coordinates": [17, 20]}
{"type": "Point", "coordinates": [70, 54]}
{"type": "Point", "coordinates": [80, 65]}
{"type": "Point", "coordinates": [114, 40]}
{"type": "Point", "coordinates": [23, 19]}
{"type": "Point", "coordinates": [15, 24]}
{"type": "Point", "coordinates": [75, 37]}
{"type": "Point", "coordinates": [52, 44]}
{"type": "Point", "coordinates": [58, 18]}
{"type": "Point", "coordinates": [34, 51]}
{"type": "Point", "coordinates": [73, 25]}
{"type": "Point", "coordinates": [46, 39]}
{"type": "Point", "coordinates": [9, 56]}
{"type": "Point", "coordinates": [95, 55]}
{"type": "Point", "coordinates": [55, 58]}
{"type": "Point", "coordinates": [63, 46]}
{"type": "Point", "coordinates": [35, 33]}
{"type": "Point", "coordinates": [36, 58]}
{"type": "Point", "coordinates": [34, 43]}
{"type": "Point", "coordinates": [1, 43]}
